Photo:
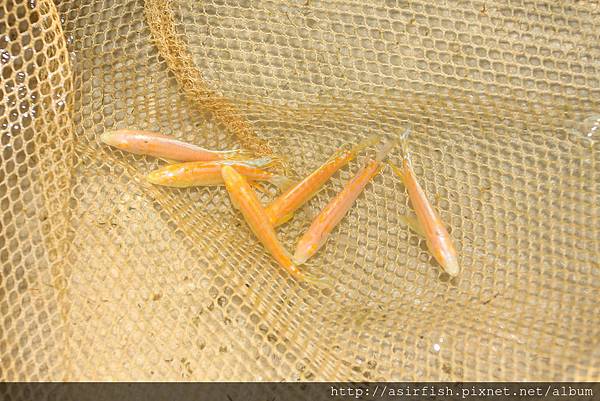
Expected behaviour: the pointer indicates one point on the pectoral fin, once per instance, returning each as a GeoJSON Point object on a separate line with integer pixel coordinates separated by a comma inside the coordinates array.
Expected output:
{"type": "Point", "coordinates": [169, 161]}
{"type": "Point", "coordinates": [413, 223]}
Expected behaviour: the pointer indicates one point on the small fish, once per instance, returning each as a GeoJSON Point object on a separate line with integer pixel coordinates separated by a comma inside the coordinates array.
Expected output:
{"type": "Point", "coordinates": [164, 147]}
{"type": "Point", "coordinates": [282, 209]}
{"type": "Point", "coordinates": [427, 222]}
{"type": "Point", "coordinates": [336, 209]}
{"type": "Point", "coordinates": [244, 199]}
{"type": "Point", "coordinates": [190, 174]}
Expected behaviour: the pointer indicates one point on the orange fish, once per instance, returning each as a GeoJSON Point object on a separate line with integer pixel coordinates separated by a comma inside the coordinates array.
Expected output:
{"type": "Point", "coordinates": [164, 147]}
{"type": "Point", "coordinates": [182, 175]}
{"type": "Point", "coordinates": [428, 224]}
{"type": "Point", "coordinates": [334, 212]}
{"type": "Point", "coordinates": [244, 199]}
{"type": "Point", "coordinates": [282, 209]}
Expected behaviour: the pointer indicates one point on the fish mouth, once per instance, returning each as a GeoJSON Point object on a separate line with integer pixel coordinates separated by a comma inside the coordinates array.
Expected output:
{"type": "Point", "coordinates": [451, 267]}
{"type": "Point", "coordinates": [108, 138]}
{"type": "Point", "coordinates": [299, 258]}
{"type": "Point", "coordinates": [155, 178]}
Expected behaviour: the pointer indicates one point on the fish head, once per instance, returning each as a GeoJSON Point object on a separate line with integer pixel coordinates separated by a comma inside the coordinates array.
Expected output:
{"type": "Point", "coordinates": [448, 260]}
{"type": "Point", "coordinates": [231, 177]}
{"type": "Point", "coordinates": [166, 176]}
{"type": "Point", "coordinates": [115, 139]}
{"type": "Point", "coordinates": [306, 248]}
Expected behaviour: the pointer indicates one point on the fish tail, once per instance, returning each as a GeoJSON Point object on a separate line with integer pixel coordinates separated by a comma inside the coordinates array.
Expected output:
{"type": "Point", "coordinates": [362, 145]}
{"type": "Point", "coordinates": [385, 151]}
{"type": "Point", "coordinates": [236, 154]}
{"type": "Point", "coordinates": [404, 144]}
{"type": "Point", "coordinates": [275, 162]}
{"type": "Point", "coordinates": [280, 181]}
{"type": "Point", "coordinates": [261, 162]}
{"type": "Point", "coordinates": [312, 279]}
{"type": "Point", "coordinates": [317, 281]}
{"type": "Point", "coordinates": [280, 163]}
{"type": "Point", "coordinates": [405, 154]}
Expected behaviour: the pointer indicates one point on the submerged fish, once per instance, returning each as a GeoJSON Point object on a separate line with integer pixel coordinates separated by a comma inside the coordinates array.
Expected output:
{"type": "Point", "coordinates": [244, 199]}
{"type": "Point", "coordinates": [164, 147]}
{"type": "Point", "coordinates": [336, 209]}
{"type": "Point", "coordinates": [282, 209]}
{"type": "Point", "coordinates": [191, 174]}
{"type": "Point", "coordinates": [427, 224]}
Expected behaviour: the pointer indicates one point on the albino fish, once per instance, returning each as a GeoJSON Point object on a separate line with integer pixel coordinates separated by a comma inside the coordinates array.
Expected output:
{"type": "Point", "coordinates": [428, 224]}
{"type": "Point", "coordinates": [164, 147]}
{"type": "Point", "coordinates": [190, 174]}
{"type": "Point", "coordinates": [244, 199]}
{"type": "Point", "coordinates": [336, 209]}
{"type": "Point", "coordinates": [282, 209]}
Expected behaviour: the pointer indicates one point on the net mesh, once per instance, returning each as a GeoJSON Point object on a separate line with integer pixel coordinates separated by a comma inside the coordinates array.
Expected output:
{"type": "Point", "coordinates": [105, 277]}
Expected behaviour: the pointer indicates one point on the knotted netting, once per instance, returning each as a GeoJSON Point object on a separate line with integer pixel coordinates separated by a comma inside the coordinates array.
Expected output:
{"type": "Point", "coordinates": [106, 277]}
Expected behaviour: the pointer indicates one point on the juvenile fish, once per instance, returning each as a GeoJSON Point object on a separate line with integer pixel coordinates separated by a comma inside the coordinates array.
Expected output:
{"type": "Point", "coordinates": [428, 224]}
{"type": "Point", "coordinates": [164, 147]}
{"type": "Point", "coordinates": [190, 174]}
{"type": "Point", "coordinates": [334, 212]}
{"type": "Point", "coordinates": [283, 207]}
{"type": "Point", "coordinates": [244, 199]}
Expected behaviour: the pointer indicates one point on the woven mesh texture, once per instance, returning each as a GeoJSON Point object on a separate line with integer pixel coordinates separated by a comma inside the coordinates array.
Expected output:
{"type": "Point", "coordinates": [105, 277]}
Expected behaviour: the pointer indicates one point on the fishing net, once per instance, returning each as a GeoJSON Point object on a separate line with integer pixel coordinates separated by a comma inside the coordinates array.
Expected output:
{"type": "Point", "coordinates": [106, 277]}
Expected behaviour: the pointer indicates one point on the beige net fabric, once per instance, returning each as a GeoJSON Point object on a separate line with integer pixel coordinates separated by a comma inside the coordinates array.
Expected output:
{"type": "Point", "coordinates": [105, 277]}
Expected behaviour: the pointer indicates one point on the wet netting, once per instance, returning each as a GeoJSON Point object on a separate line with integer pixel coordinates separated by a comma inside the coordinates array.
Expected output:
{"type": "Point", "coordinates": [106, 277]}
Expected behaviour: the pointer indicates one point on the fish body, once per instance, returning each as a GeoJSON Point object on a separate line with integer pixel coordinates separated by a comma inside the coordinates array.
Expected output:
{"type": "Point", "coordinates": [163, 146]}
{"type": "Point", "coordinates": [284, 206]}
{"type": "Point", "coordinates": [190, 174]}
{"type": "Point", "coordinates": [245, 200]}
{"type": "Point", "coordinates": [318, 232]}
{"type": "Point", "coordinates": [430, 225]}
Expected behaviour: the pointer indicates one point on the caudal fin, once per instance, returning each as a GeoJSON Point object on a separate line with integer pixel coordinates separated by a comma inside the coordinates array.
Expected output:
{"type": "Point", "coordinates": [405, 153]}
{"type": "Point", "coordinates": [277, 162]}
{"type": "Point", "coordinates": [280, 181]}
{"type": "Point", "coordinates": [317, 281]}
{"type": "Point", "coordinates": [362, 145]}
{"type": "Point", "coordinates": [404, 144]}
{"type": "Point", "coordinates": [261, 162]}
{"type": "Point", "coordinates": [236, 154]}
{"type": "Point", "coordinates": [385, 150]}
